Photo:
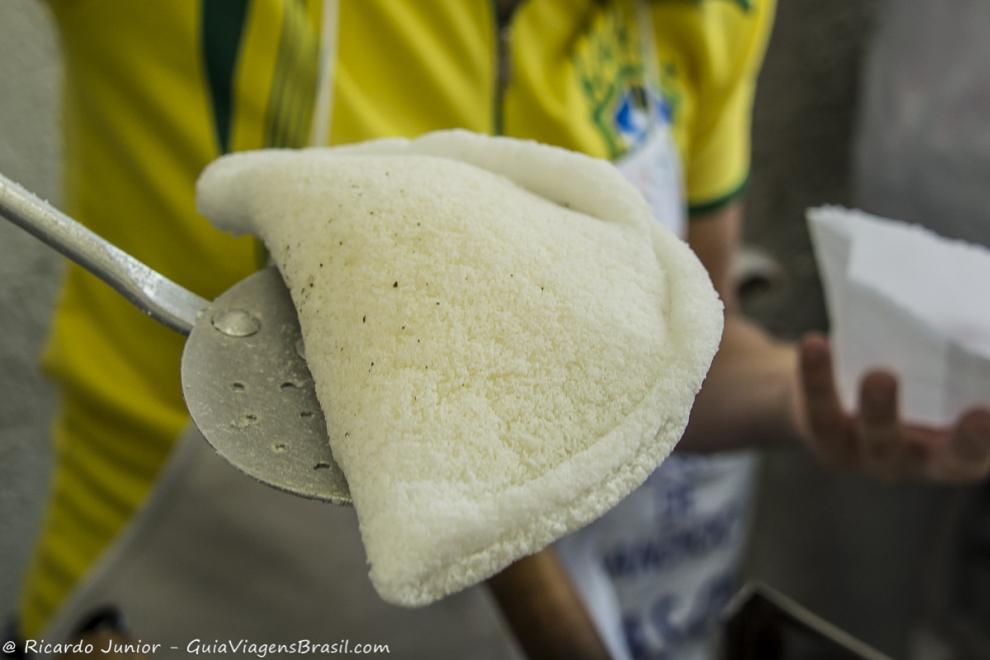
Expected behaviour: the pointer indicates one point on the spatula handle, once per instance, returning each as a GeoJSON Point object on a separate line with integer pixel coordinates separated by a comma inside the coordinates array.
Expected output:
{"type": "Point", "coordinates": [159, 297]}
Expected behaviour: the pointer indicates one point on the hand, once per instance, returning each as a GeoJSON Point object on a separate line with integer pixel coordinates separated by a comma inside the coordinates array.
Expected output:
{"type": "Point", "coordinates": [875, 440]}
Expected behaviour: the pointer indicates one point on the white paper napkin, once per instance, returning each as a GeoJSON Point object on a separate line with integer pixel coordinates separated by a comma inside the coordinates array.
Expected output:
{"type": "Point", "coordinates": [903, 298]}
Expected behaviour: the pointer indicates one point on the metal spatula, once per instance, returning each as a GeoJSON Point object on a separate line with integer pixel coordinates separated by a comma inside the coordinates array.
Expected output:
{"type": "Point", "coordinates": [244, 376]}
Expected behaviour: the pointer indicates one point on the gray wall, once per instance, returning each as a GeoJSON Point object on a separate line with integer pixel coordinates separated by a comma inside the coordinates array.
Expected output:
{"type": "Point", "coordinates": [29, 274]}
{"type": "Point", "coordinates": [915, 144]}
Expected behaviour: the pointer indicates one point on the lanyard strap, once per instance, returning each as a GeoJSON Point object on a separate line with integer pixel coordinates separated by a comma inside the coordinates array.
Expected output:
{"type": "Point", "coordinates": [648, 52]}
{"type": "Point", "coordinates": [319, 134]}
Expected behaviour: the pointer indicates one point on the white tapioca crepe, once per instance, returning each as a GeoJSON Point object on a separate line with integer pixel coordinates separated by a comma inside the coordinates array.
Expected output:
{"type": "Point", "coordinates": [503, 341]}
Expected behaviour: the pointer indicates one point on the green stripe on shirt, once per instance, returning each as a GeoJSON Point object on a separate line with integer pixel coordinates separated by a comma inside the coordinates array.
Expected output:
{"type": "Point", "coordinates": [222, 26]}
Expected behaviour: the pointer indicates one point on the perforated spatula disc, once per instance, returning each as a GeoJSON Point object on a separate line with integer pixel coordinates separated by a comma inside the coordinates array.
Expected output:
{"type": "Point", "coordinates": [244, 377]}
{"type": "Point", "coordinates": [250, 393]}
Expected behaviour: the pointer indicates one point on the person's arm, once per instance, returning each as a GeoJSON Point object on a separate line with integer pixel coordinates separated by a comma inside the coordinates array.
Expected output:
{"type": "Point", "coordinates": [542, 607]}
{"type": "Point", "coordinates": [747, 397]}
{"type": "Point", "coordinates": [761, 390]}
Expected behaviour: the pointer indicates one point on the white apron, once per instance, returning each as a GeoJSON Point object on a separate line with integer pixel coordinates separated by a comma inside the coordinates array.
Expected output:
{"type": "Point", "coordinates": [656, 570]}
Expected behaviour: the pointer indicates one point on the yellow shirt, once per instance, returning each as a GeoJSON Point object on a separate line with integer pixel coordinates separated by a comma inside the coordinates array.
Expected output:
{"type": "Point", "coordinates": [155, 91]}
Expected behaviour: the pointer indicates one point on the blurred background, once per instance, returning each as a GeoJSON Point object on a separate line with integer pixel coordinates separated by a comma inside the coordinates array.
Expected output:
{"type": "Point", "coordinates": [884, 105]}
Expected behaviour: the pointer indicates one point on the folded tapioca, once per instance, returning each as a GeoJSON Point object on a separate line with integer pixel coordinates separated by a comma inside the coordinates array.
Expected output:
{"type": "Point", "coordinates": [503, 341]}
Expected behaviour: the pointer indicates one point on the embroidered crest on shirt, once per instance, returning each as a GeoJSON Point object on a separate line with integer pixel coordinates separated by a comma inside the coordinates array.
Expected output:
{"type": "Point", "coordinates": [620, 97]}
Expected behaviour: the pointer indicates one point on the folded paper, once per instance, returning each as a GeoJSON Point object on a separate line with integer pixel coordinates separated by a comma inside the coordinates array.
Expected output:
{"type": "Point", "coordinates": [905, 299]}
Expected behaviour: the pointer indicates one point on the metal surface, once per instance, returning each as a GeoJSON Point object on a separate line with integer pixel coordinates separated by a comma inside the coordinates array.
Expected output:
{"type": "Point", "coordinates": [251, 395]}
{"type": "Point", "coordinates": [244, 377]}
{"type": "Point", "coordinates": [159, 297]}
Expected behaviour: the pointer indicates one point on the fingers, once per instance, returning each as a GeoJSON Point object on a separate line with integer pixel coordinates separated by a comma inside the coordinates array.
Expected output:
{"type": "Point", "coordinates": [882, 446]}
{"type": "Point", "coordinates": [966, 455]}
{"type": "Point", "coordinates": [828, 424]}
{"type": "Point", "coordinates": [875, 440]}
